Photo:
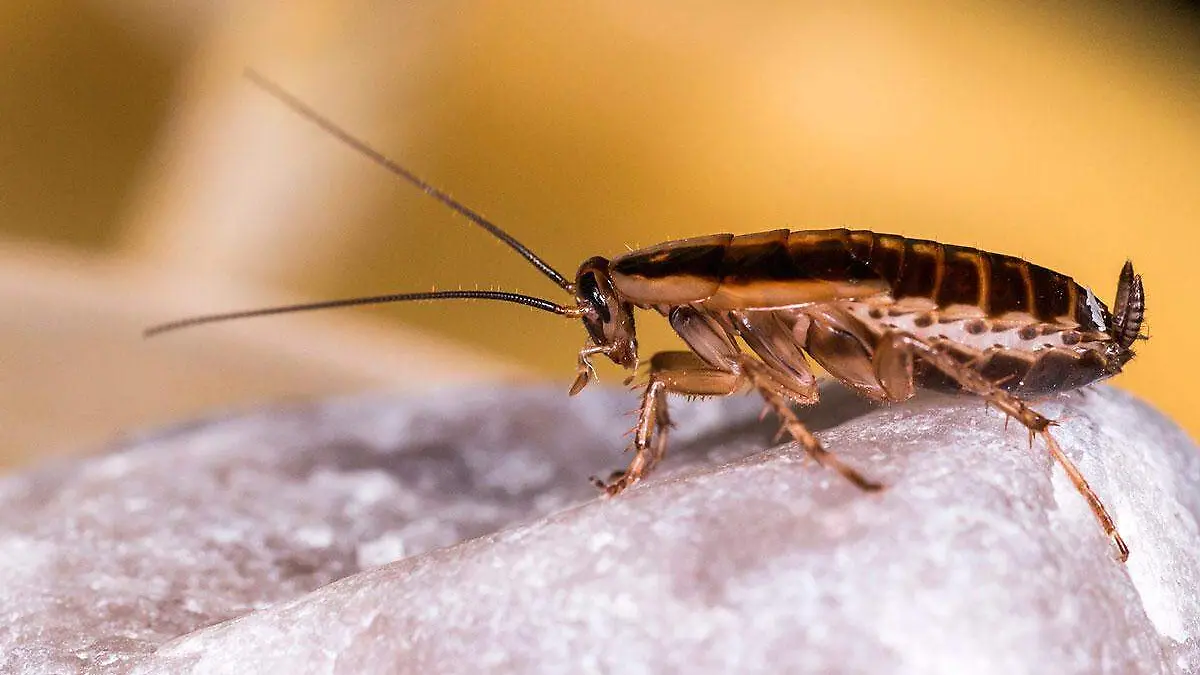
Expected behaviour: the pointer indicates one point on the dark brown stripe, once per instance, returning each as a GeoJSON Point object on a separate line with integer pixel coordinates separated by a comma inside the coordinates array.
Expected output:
{"type": "Point", "coordinates": [861, 243]}
{"type": "Point", "coordinates": [827, 255]}
{"type": "Point", "coordinates": [887, 258]}
{"type": "Point", "coordinates": [698, 260]}
{"type": "Point", "coordinates": [919, 277]}
{"type": "Point", "coordinates": [1020, 373]}
{"type": "Point", "coordinates": [1050, 292]}
{"type": "Point", "coordinates": [929, 377]}
{"type": "Point", "coordinates": [961, 283]}
{"type": "Point", "coordinates": [1060, 370]}
{"type": "Point", "coordinates": [1009, 291]}
{"type": "Point", "coordinates": [1007, 368]}
{"type": "Point", "coordinates": [758, 257]}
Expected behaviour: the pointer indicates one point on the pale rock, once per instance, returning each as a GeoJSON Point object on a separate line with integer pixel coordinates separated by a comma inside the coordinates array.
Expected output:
{"type": "Point", "coordinates": [458, 534]}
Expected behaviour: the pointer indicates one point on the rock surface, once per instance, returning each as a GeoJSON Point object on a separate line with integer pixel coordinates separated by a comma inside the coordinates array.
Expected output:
{"type": "Point", "coordinates": [458, 534]}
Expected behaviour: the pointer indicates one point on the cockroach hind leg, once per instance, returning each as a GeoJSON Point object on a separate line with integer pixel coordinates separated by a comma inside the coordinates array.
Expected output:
{"type": "Point", "coordinates": [1013, 406]}
{"type": "Point", "coordinates": [1119, 543]}
{"type": "Point", "coordinates": [762, 415]}
{"type": "Point", "coordinates": [1089, 495]}
{"type": "Point", "coordinates": [783, 431]}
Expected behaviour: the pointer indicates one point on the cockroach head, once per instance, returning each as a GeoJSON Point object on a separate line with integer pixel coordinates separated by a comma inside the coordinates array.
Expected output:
{"type": "Point", "coordinates": [607, 317]}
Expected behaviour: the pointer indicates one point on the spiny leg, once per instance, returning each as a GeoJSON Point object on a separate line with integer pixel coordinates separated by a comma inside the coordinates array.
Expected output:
{"type": "Point", "coordinates": [762, 380]}
{"type": "Point", "coordinates": [782, 374]}
{"type": "Point", "coordinates": [970, 380]}
{"type": "Point", "coordinates": [649, 440]}
{"type": "Point", "coordinates": [674, 372]}
{"type": "Point", "coordinates": [686, 373]}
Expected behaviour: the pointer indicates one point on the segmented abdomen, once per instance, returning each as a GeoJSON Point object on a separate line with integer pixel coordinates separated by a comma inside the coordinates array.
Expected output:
{"type": "Point", "coordinates": [779, 268]}
{"type": "Point", "coordinates": [995, 283]}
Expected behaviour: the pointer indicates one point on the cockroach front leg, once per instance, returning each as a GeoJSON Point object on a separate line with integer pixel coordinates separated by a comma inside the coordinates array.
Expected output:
{"type": "Point", "coordinates": [676, 373]}
{"type": "Point", "coordinates": [585, 372]}
{"type": "Point", "coordinates": [896, 344]}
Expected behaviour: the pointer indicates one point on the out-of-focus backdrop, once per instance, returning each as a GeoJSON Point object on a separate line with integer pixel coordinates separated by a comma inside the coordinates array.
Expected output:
{"type": "Point", "coordinates": [142, 178]}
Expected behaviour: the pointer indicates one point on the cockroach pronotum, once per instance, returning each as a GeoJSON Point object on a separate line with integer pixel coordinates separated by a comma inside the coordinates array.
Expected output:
{"type": "Point", "coordinates": [881, 313]}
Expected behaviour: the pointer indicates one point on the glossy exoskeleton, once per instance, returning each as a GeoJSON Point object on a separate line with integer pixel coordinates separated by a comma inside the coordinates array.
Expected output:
{"type": "Point", "coordinates": [883, 314]}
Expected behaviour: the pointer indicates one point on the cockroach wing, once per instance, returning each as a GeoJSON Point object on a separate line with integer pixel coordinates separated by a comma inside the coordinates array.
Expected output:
{"type": "Point", "coordinates": [765, 270]}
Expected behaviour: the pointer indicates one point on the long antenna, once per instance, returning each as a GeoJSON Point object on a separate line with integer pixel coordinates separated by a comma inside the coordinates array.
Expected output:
{"type": "Point", "coordinates": [528, 301]}
{"type": "Point", "coordinates": [391, 165]}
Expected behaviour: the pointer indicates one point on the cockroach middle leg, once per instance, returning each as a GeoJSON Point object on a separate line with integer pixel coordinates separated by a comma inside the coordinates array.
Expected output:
{"type": "Point", "coordinates": [760, 377]}
{"type": "Point", "coordinates": [685, 373]}
{"type": "Point", "coordinates": [1014, 407]}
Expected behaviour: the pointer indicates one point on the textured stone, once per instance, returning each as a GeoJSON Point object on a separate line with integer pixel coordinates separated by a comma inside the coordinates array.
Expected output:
{"type": "Point", "coordinates": [458, 533]}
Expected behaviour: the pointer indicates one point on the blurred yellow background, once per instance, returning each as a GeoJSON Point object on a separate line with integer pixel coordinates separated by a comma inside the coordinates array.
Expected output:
{"type": "Point", "coordinates": [142, 178]}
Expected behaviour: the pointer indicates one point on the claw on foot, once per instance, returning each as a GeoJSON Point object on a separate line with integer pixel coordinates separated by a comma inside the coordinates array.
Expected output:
{"type": "Point", "coordinates": [863, 483]}
{"type": "Point", "coordinates": [616, 483]}
{"type": "Point", "coordinates": [1122, 549]}
{"type": "Point", "coordinates": [585, 373]}
{"type": "Point", "coordinates": [582, 378]}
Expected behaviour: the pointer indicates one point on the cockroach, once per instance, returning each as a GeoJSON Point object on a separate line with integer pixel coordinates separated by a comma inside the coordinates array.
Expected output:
{"type": "Point", "coordinates": [881, 313]}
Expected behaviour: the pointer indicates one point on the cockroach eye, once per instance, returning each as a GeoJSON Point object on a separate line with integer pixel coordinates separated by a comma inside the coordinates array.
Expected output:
{"type": "Point", "coordinates": [590, 288]}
